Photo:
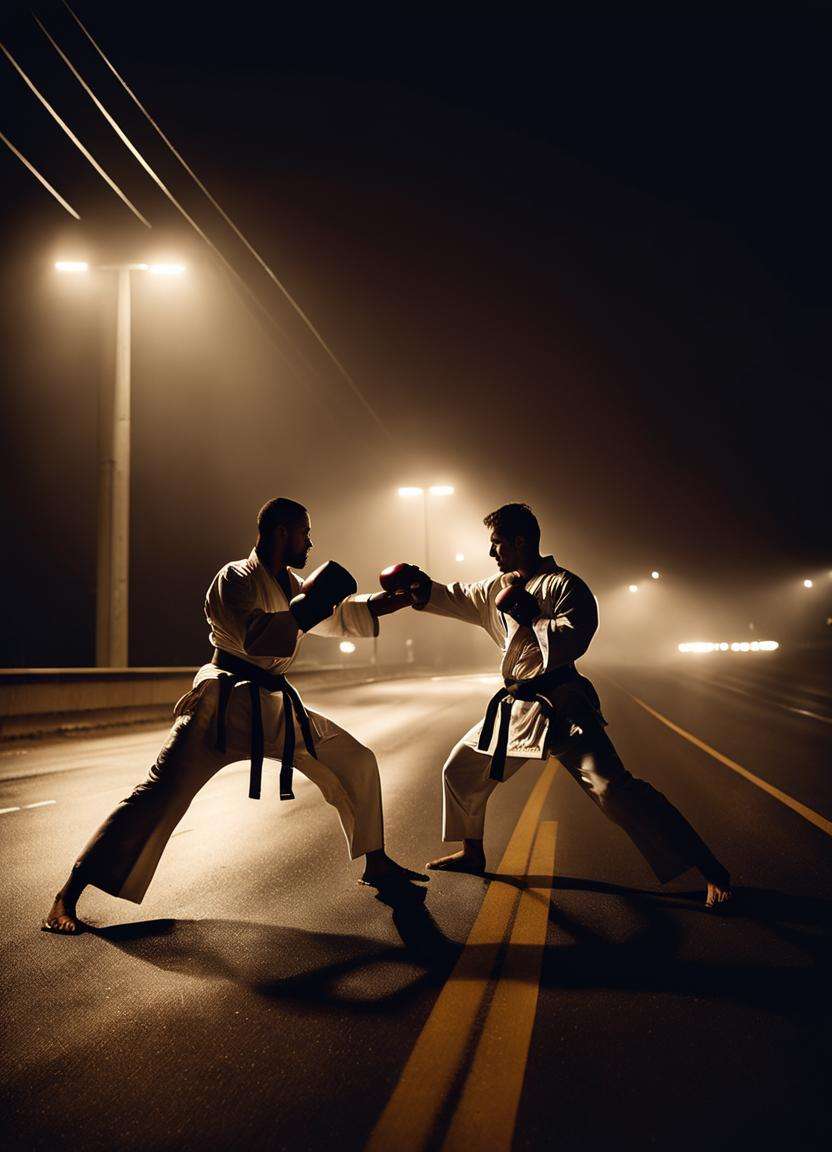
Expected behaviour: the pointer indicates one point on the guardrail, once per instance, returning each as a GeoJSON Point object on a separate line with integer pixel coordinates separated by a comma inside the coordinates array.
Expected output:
{"type": "Point", "coordinates": [43, 701]}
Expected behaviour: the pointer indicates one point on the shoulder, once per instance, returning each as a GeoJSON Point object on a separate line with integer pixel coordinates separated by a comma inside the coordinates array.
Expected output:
{"type": "Point", "coordinates": [562, 582]}
{"type": "Point", "coordinates": [235, 577]}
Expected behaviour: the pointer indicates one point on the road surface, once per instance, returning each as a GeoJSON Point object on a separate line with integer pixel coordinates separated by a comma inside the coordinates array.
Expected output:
{"type": "Point", "coordinates": [260, 998]}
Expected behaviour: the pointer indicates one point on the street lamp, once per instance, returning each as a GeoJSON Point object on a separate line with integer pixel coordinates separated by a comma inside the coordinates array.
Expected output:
{"type": "Point", "coordinates": [112, 581]}
{"type": "Point", "coordinates": [632, 587]}
{"type": "Point", "coordinates": [654, 575]}
{"type": "Point", "coordinates": [808, 583]}
{"type": "Point", "coordinates": [433, 490]}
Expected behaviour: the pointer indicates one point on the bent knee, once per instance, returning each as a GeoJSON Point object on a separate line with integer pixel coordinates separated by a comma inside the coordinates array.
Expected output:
{"type": "Point", "coordinates": [607, 791]}
{"type": "Point", "coordinates": [461, 772]}
{"type": "Point", "coordinates": [604, 777]}
{"type": "Point", "coordinates": [365, 763]}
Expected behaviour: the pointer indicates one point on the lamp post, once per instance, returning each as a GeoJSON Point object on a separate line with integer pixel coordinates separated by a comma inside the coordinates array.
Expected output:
{"type": "Point", "coordinates": [433, 490]}
{"type": "Point", "coordinates": [113, 565]}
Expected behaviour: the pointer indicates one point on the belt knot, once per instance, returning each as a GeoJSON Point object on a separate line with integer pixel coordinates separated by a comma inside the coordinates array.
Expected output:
{"type": "Point", "coordinates": [237, 670]}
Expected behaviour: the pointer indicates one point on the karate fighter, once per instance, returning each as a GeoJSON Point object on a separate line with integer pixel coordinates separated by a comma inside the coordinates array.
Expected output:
{"type": "Point", "coordinates": [242, 707]}
{"type": "Point", "coordinates": [543, 618]}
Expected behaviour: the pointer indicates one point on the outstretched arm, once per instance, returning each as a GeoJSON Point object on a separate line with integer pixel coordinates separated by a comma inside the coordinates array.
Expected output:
{"type": "Point", "coordinates": [352, 618]}
{"type": "Point", "coordinates": [467, 602]}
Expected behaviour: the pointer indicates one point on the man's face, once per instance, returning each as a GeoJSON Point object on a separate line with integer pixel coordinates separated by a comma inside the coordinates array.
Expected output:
{"type": "Point", "coordinates": [299, 543]}
{"type": "Point", "coordinates": [505, 551]}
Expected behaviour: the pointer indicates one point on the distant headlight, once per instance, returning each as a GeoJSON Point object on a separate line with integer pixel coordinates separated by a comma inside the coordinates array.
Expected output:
{"type": "Point", "coordinates": [724, 646]}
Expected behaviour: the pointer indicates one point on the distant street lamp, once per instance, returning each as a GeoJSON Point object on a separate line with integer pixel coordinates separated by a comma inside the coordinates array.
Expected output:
{"type": "Point", "coordinates": [632, 587]}
{"type": "Point", "coordinates": [113, 573]}
{"type": "Point", "coordinates": [433, 490]}
{"type": "Point", "coordinates": [808, 583]}
{"type": "Point", "coordinates": [654, 575]}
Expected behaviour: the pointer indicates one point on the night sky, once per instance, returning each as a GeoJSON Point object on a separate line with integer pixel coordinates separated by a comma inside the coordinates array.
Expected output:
{"type": "Point", "coordinates": [582, 261]}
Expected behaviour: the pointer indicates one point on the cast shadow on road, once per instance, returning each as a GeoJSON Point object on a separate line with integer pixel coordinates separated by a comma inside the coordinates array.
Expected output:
{"type": "Point", "coordinates": [649, 959]}
{"type": "Point", "coordinates": [653, 958]}
{"type": "Point", "coordinates": [354, 974]}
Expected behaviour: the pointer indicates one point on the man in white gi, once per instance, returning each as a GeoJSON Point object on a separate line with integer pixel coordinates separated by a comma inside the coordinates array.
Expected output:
{"type": "Point", "coordinates": [543, 618]}
{"type": "Point", "coordinates": [242, 707]}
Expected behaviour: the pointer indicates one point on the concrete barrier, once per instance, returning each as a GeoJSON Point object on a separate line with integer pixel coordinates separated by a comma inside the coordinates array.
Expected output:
{"type": "Point", "coordinates": [42, 701]}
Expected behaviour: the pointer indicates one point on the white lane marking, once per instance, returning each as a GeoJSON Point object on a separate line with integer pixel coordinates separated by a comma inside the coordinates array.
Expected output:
{"type": "Point", "coordinates": [22, 807]}
{"type": "Point", "coordinates": [796, 806]}
{"type": "Point", "coordinates": [811, 715]}
{"type": "Point", "coordinates": [760, 698]}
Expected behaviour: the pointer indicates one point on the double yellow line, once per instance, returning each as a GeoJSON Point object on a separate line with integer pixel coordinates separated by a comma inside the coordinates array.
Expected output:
{"type": "Point", "coordinates": [490, 1060]}
{"type": "Point", "coordinates": [475, 1050]}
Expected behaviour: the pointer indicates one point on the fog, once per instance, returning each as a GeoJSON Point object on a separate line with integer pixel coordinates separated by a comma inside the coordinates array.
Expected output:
{"type": "Point", "coordinates": [529, 314]}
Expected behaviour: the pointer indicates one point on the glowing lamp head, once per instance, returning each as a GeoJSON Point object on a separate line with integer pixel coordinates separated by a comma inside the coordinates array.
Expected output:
{"type": "Point", "coordinates": [460, 556]}
{"type": "Point", "coordinates": [632, 588]}
{"type": "Point", "coordinates": [654, 575]}
{"type": "Point", "coordinates": [71, 266]}
{"type": "Point", "coordinates": [441, 489]}
{"type": "Point", "coordinates": [808, 583]}
{"type": "Point", "coordinates": [347, 647]}
{"type": "Point", "coordinates": [406, 492]}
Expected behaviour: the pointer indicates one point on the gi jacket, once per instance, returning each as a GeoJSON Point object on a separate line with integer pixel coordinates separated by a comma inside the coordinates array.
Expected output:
{"type": "Point", "coordinates": [239, 594]}
{"type": "Point", "coordinates": [562, 633]}
{"type": "Point", "coordinates": [245, 589]}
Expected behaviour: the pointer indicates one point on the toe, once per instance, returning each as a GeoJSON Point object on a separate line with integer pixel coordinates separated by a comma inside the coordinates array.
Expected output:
{"type": "Point", "coordinates": [64, 925]}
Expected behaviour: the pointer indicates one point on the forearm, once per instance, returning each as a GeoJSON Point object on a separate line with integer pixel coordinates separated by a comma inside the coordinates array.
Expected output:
{"type": "Point", "coordinates": [353, 617]}
{"type": "Point", "coordinates": [452, 602]}
{"type": "Point", "coordinates": [384, 603]}
{"type": "Point", "coordinates": [562, 642]}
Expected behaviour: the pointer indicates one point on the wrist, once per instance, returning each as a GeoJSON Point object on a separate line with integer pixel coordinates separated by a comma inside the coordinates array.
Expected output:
{"type": "Point", "coordinates": [383, 603]}
{"type": "Point", "coordinates": [420, 594]}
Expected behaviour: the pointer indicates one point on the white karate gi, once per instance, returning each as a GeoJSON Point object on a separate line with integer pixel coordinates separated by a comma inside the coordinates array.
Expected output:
{"type": "Point", "coordinates": [561, 634]}
{"type": "Point", "coordinates": [122, 856]}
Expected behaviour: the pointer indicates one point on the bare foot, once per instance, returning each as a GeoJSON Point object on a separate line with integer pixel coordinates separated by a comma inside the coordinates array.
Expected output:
{"type": "Point", "coordinates": [717, 896]}
{"type": "Point", "coordinates": [381, 869]}
{"type": "Point", "coordinates": [62, 919]}
{"type": "Point", "coordinates": [465, 860]}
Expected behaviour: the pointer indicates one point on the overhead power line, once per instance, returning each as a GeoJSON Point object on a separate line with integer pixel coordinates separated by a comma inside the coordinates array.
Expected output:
{"type": "Point", "coordinates": [84, 152]}
{"type": "Point", "coordinates": [185, 214]}
{"type": "Point", "coordinates": [39, 177]}
{"type": "Point", "coordinates": [252, 250]}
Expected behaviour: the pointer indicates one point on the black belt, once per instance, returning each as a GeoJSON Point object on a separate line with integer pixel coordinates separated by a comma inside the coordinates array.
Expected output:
{"type": "Point", "coordinates": [240, 670]}
{"type": "Point", "coordinates": [532, 688]}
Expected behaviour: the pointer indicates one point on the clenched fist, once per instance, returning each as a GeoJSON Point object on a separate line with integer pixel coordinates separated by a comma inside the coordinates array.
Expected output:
{"type": "Point", "coordinates": [516, 602]}
{"type": "Point", "coordinates": [407, 579]}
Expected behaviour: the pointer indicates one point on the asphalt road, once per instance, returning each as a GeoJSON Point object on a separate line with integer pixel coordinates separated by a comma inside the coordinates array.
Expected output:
{"type": "Point", "coordinates": [260, 998]}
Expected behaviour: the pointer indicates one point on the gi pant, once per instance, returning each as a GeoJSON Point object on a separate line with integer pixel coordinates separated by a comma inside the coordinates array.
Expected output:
{"type": "Point", "coordinates": [660, 832]}
{"type": "Point", "coordinates": [122, 856]}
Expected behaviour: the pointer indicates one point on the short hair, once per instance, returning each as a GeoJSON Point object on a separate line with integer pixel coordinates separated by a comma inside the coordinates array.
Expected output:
{"type": "Point", "coordinates": [515, 520]}
{"type": "Point", "coordinates": [277, 512]}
